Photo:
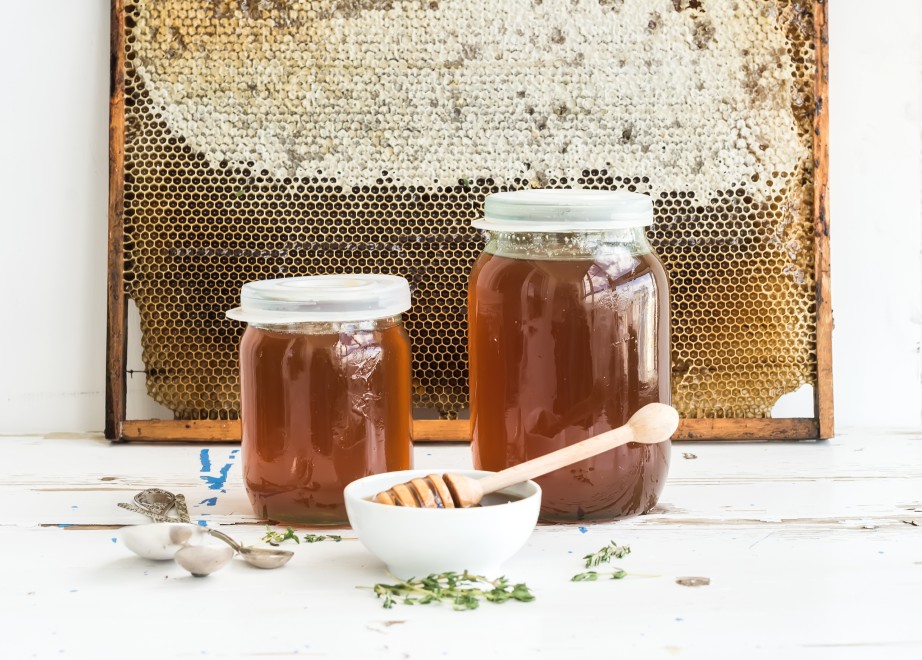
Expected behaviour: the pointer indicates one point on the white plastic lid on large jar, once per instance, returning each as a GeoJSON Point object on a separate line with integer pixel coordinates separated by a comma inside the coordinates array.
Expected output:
{"type": "Point", "coordinates": [322, 298]}
{"type": "Point", "coordinates": [565, 210]}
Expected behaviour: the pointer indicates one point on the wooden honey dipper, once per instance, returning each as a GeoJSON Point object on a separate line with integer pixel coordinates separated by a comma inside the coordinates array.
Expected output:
{"type": "Point", "coordinates": [653, 423]}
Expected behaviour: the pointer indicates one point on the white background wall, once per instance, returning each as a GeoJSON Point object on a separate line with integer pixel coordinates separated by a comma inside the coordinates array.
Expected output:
{"type": "Point", "coordinates": [54, 67]}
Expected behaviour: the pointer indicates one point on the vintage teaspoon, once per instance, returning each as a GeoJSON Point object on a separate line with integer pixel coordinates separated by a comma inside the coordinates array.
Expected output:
{"type": "Point", "coordinates": [258, 557]}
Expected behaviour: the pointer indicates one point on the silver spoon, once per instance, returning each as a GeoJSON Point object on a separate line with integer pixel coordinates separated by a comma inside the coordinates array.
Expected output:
{"type": "Point", "coordinates": [203, 560]}
{"type": "Point", "coordinates": [258, 557]}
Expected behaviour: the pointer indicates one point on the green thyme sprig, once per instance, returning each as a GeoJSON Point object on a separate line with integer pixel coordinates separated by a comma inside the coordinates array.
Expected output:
{"type": "Point", "coordinates": [603, 556]}
{"type": "Point", "coordinates": [606, 554]}
{"type": "Point", "coordinates": [463, 591]}
{"type": "Point", "coordinates": [277, 538]}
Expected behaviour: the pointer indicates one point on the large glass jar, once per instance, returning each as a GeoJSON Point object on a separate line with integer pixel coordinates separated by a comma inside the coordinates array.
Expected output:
{"type": "Point", "coordinates": [324, 390]}
{"type": "Point", "coordinates": [569, 337]}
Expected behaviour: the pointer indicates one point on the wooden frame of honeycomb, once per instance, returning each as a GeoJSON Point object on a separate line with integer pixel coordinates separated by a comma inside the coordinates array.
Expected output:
{"type": "Point", "coordinates": [215, 180]}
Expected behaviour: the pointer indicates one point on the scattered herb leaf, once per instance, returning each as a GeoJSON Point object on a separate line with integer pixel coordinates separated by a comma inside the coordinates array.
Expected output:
{"type": "Point", "coordinates": [606, 554]}
{"type": "Point", "coordinates": [588, 576]}
{"type": "Point", "coordinates": [317, 538]}
{"type": "Point", "coordinates": [693, 581]}
{"type": "Point", "coordinates": [463, 591]}
{"type": "Point", "coordinates": [592, 576]}
{"type": "Point", "coordinates": [275, 538]}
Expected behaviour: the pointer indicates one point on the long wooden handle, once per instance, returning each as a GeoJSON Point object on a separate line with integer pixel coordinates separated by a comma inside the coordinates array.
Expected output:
{"type": "Point", "coordinates": [653, 423]}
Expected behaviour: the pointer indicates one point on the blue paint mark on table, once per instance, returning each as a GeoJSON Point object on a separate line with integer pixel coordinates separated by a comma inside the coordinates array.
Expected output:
{"type": "Point", "coordinates": [206, 461]}
{"type": "Point", "coordinates": [210, 501]}
{"type": "Point", "coordinates": [583, 530]}
{"type": "Point", "coordinates": [216, 482]}
{"type": "Point", "coordinates": [114, 539]}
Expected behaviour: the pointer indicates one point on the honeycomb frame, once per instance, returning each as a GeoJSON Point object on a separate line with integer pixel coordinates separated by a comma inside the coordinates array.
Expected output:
{"type": "Point", "coordinates": [698, 229]}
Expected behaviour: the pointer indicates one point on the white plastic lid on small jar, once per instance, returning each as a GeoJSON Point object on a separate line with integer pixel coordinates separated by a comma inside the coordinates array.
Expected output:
{"type": "Point", "coordinates": [565, 210]}
{"type": "Point", "coordinates": [322, 298]}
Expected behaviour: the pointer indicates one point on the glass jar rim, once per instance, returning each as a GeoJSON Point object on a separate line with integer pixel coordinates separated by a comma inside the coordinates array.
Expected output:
{"type": "Point", "coordinates": [319, 298]}
{"type": "Point", "coordinates": [565, 210]}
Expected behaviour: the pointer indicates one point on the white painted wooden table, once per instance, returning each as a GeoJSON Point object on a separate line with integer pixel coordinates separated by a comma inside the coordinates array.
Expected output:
{"type": "Point", "coordinates": [812, 550]}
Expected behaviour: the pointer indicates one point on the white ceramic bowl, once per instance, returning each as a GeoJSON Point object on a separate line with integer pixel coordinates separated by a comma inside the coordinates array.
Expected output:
{"type": "Point", "coordinates": [417, 542]}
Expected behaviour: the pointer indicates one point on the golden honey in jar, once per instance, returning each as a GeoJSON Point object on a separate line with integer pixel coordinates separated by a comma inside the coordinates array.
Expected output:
{"type": "Point", "coordinates": [569, 337]}
{"type": "Point", "coordinates": [324, 390]}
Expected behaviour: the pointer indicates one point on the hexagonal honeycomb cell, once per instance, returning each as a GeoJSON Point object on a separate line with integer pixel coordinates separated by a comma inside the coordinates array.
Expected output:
{"type": "Point", "coordinates": [274, 138]}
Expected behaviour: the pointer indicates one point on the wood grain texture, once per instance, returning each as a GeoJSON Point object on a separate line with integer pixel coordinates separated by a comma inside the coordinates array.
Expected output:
{"type": "Point", "coordinates": [170, 430]}
{"type": "Point", "coordinates": [160, 430]}
{"type": "Point", "coordinates": [117, 310]}
{"type": "Point", "coordinates": [433, 430]}
{"type": "Point", "coordinates": [229, 431]}
{"type": "Point", "coordinates": [823, 394]}
{"type": "Point", "coordinates": [746, 429]}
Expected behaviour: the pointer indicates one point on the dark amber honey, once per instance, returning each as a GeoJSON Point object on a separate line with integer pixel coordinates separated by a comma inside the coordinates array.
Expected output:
{"type": "Point", "coordinates": [319, 410]}
{"type": "Point", "coordinates": [561, 350]}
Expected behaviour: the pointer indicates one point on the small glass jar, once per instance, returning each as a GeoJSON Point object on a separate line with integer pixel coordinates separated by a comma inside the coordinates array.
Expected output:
{"type": "Point", "coordinates": [324, 390]}
{"type": "Point", "coordinates": [568, 322]}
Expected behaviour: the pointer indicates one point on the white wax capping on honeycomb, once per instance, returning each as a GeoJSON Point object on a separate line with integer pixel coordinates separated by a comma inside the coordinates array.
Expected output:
{"type": "Point", "coordinates": [698, 94]}
{"type": "Point", "coordinates": [257, 133]}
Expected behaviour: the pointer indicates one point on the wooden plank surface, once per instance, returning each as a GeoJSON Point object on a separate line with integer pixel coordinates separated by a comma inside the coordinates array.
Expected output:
{"type": "Point", "coordinates": [823, 395]}
{"type": "Point", "coordinates": [170, 430]}
{"type": "Point", "coordinates": [746, 429]}
{"type": "Point", "coordinates": [812, 551]}
{"type": "Point", "coordinates": [117, 309]}
{"type": "Point", "coordinates": [156, 430]}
